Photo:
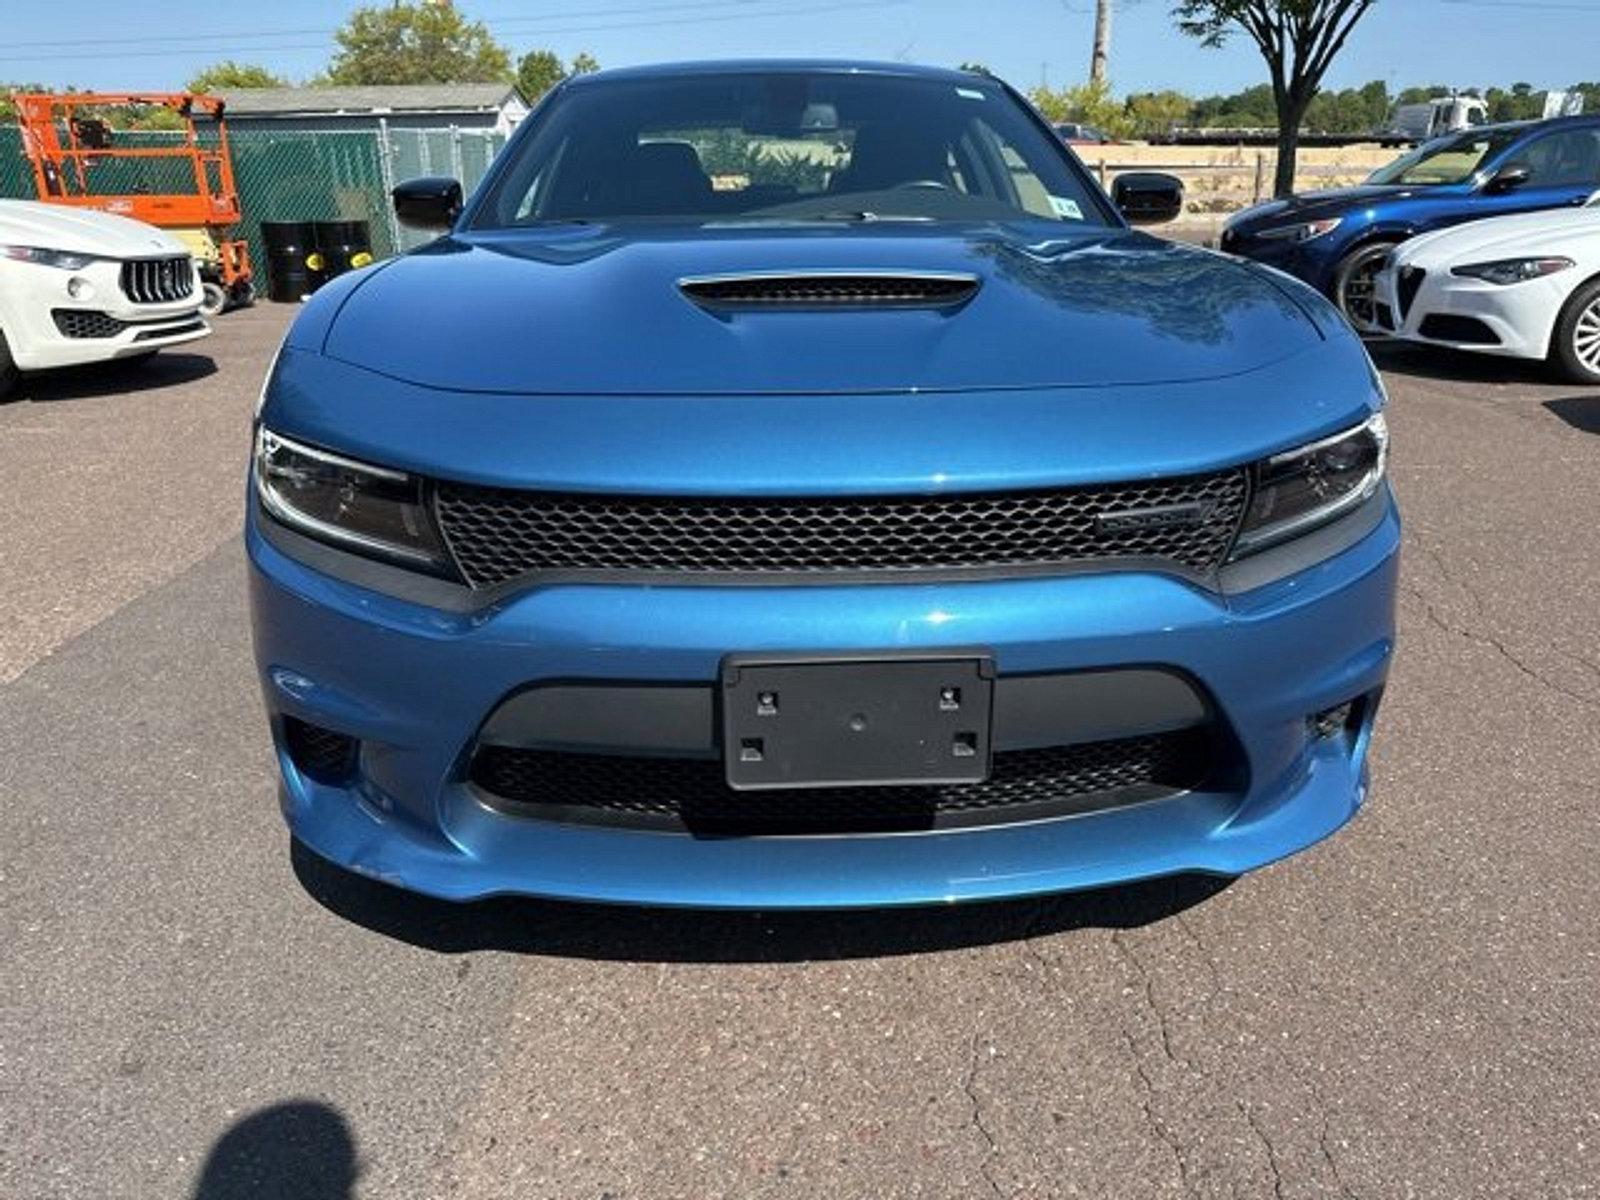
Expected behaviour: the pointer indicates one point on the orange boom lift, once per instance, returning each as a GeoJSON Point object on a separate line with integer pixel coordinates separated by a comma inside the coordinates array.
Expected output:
{"type": "Point", "coordinates": [67, 139]}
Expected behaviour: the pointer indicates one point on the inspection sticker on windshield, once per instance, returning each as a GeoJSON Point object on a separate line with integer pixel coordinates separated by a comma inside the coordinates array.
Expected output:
{"type": "Point", "coordinates": [1066, 208]}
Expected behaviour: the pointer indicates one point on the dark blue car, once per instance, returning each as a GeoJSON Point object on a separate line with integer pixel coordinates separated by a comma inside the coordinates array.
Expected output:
{"type": "Point", "coordinates": [1336, 240]}
{"type": "Point", "coordinates": [796, 485]}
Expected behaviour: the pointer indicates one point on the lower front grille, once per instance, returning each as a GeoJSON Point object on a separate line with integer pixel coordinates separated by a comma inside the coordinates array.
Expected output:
{"type": "Point", "coordinates": [1453, 327]}
{"type": "Point", "coordinates": [318, 753]}
{"type": "Point", "coordinates": [692, 795]}
{"type": "Point", "coordinates": [86, 323]}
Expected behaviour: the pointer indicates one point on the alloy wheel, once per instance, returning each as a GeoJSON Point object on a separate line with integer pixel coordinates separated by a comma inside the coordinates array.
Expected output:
{"type": "Point", "coordinates": [1356, 290]}
{"type": "Point", "coordinates": [1586, 336]}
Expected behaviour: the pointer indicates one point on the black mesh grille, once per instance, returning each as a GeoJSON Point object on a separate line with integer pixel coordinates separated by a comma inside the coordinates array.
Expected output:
{"type": "Point", "coordinates": [692, 793]}
{"type": "Point", "coordinates": [86, 323]}
{"type": "Point", "coordinates": [157, 280]}
{"type": "Point", "coordinates": [1409, 284]}
{"type": "Point", "coordinates": [830, 291]}
{"type": "Point", "coordinates": [1452, 327]}
{"type": "Point", "coordinates": [497, 534]}
{"type": "Point", "coordinates": [320, 753]}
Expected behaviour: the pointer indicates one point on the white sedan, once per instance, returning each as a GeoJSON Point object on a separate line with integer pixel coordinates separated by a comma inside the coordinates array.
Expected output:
{"type": "Point", "coordinates": [1524, 287]}
{"type": "Point", "coordinates": [78, 286]}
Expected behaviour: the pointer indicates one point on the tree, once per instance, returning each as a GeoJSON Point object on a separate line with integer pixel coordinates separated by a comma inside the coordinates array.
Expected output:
{"type": "Point", "coordinates": [540, 70]}
{"type": "Point", "coordinates": [416, 43]}
{"type": "Point", "coordinates": [1086, 104]}
{"type": "Point", "coordinates": [227, 75]}
{"type": "Point", "coordinates": [1153, 114]}
{"type": "Point", "coordinates": [537, 72]}
{"type": "Point", "coordinates": [1299, 39]}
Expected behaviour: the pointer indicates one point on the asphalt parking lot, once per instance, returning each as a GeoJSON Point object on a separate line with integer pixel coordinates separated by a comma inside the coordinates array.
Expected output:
{"type": "Point", "coordinates": [187, 1009]}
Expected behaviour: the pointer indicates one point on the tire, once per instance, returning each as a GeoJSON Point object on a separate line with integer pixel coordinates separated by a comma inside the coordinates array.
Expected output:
{"type": "Point", "coordinates": [214, 298]}
{"type": "Point", "coordinates": [9, 375]}
{"type": "Point", "coordinates": [1353, 286]}
{"type": "Point", "coordinates": [1575, 344]}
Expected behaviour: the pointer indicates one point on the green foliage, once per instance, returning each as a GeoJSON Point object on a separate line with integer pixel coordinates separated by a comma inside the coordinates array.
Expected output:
{"type": "Point", "coordinates": [1087, 104]}
{"type": "Point", "coordinates": [540, 70]}
{"type": "Point", "coordinates": [227, 75]}
{"type": "Point", "coordinates": [416, 43]}
{"type": "Point", "coordinates": [537, 72]}
{"type": "Point", "coordinates": [726, 151]}
{"type": "Point", "coordinates": [1151, 114]}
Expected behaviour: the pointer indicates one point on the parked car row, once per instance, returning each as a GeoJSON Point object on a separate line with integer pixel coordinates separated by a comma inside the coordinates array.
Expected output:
{"type": "Point", "coordinates": [78, 286]}
{"type": "Point", "coordinates": [1488, 240]}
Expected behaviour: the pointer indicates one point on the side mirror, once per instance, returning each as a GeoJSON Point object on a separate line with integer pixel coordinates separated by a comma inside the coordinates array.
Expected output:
{"type": "Point", "coordinates": [1148, 197]}
{"type": "Point", "coordinates": [1508, 178]}
{"type": "Point", "coordinates": [433, 202]}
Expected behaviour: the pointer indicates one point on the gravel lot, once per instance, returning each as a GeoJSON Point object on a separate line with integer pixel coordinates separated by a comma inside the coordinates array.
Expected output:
{"type": "Point", "coordinates": [188, 1009]}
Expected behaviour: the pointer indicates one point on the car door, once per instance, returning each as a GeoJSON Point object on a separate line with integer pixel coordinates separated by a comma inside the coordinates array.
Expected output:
{"type": "Point", "coordinates": [1564, 170]}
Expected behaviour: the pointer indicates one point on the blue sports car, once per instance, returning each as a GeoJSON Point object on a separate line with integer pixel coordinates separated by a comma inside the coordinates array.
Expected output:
{"type": "Point", "coordinates": [794, 484]}
{"type": "Point", "coordinates": [1338, 240]}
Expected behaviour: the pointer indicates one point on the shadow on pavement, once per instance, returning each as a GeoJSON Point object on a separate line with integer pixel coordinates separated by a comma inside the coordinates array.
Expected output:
{"type": "Point", "coordinates": [1581, 412]}
{"type": "Point", "coordinates": [630, 934]}
{"type": "Point", "coordinates": [166, 369]}
{"type": "Point", "coordinates": [298, 1150]}
{"type": "Point", "coordinates": [1438, 363]}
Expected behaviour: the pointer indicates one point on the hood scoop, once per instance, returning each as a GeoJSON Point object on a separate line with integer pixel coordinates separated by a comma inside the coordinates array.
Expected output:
{"type": "Point", "coordinates": [812, 290]}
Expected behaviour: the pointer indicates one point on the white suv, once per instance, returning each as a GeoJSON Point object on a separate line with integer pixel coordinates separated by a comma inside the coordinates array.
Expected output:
{"type": "Point", "coordinates": [78, 286]}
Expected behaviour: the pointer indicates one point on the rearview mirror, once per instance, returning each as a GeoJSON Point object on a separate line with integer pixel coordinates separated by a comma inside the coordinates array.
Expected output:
{"type": "Point", "coordinates": [1512, 175]}
{"type": "Point", "coordinates": [432, 202]}
{"type": "Point", "coordinates": [1148, 197]}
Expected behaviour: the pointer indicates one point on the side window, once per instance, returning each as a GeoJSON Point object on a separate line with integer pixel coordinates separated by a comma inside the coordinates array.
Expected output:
{"type": "Point", "coordinates": [1567, 159]}
{"type": "Point", "coordinates": [1020, 183]}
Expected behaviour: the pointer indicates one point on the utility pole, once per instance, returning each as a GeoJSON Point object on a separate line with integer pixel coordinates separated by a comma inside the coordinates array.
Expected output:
{"type": "Point", "coordinates": [1102, 41]}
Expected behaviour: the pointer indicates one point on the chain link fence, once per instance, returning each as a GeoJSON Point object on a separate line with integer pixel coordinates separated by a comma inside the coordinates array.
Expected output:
{"type": "Point", "coordinates": [292, 175]}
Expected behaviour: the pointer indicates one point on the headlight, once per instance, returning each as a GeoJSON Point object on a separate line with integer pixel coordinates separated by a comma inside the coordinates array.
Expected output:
{"type": "Point", "coordinates": [66, 260]}
{"type": "Point", "coordinates": [1304, 488]}
{"type": "Point", "coordinates": [370, 509]}
{"type": "Point", "coordinates": [1302, 232]}
{"type": "Point", "coordinates": [1513, 270]}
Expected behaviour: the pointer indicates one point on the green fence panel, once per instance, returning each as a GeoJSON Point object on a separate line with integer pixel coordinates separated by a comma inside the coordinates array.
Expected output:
{"type": "Point", "coordinates": [292, 176]}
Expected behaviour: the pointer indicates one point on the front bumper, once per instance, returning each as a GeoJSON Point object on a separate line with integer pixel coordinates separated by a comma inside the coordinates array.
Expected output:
{"type": "Point", "coordinates": [35, 293]}
{"type": "Point", "coordinates": [1514, 321]}
{"type": "Point", "coordinates": [415, 683]}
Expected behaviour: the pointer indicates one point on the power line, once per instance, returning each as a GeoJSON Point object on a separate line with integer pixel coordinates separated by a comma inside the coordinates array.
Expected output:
{"type": "Point", "coordinates": [788, 10]}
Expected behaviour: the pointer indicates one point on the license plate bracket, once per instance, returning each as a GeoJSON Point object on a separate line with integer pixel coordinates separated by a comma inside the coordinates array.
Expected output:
{"type": "Point", "coordinates": [812, 721]}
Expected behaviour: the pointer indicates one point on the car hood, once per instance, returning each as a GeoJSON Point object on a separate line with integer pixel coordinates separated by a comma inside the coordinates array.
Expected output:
{"type": "Point", "coordinates": [1327, 202]}
{"type": "Point", "coordinates": [599, 310]}
{"type": "Point", "coordinates": [81, 231]}
{"type": "Point", "coordinates": [1571, 233]}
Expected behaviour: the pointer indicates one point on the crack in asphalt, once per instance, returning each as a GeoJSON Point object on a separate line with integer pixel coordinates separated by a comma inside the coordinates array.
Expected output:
{"type": "Point", "coordinates": [1432, 554]}
{"type": "Point", "coordinates": [1156, 1124]}
{"type": "Point", "coordinates": [1148, 983]}
{"type": "Point", "coordinates": [1486, 639]}
{"type": "Point", "coordinates": [969, 1086]}
{"type": "Point", "coordinates": [1327, 1151]}
{"type": "Point", "coordinates": [1272, 1153]}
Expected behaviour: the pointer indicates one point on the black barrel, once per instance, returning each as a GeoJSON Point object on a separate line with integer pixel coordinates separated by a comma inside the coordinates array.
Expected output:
{"type": "Point", "coordinates": [343, 245]}
{"type": "Point", "coordinates": [294, 267]}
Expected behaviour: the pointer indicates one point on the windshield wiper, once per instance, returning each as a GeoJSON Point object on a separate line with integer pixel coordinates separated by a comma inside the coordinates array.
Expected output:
{"type": "Point", "coordinates": [864, 216]}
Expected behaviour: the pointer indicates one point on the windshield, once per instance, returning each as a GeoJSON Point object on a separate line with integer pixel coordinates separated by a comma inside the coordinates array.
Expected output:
{"type": "Point", "coordinates": [1455, 160]}
{"type": "Point", "coordinates": [787, 146]}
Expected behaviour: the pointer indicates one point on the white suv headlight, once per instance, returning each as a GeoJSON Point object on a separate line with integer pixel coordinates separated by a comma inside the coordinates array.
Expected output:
{"type": "Point", "coordinates": [65, 259]}
{"type": "Point", "coordinates": [1513, 270]}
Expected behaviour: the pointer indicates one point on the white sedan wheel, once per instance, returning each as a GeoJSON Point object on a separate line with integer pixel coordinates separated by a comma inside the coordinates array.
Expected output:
{"type": "Point", "coordinates": [1586, 336]}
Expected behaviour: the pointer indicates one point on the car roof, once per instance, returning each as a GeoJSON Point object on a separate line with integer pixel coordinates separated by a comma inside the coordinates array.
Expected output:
{"type": "Point", "coordinates": [1579, 121]}
{"type": "Point", "coordinates": [737, 66]}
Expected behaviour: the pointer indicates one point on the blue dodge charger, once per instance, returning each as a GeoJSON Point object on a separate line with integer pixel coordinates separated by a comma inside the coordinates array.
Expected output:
{"type": "Point", "coordinates": [795, 484]}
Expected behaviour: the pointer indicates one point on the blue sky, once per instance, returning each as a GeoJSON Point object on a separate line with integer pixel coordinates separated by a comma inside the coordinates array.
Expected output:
{"type": "Point", "coordinates": [1461, 42]}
